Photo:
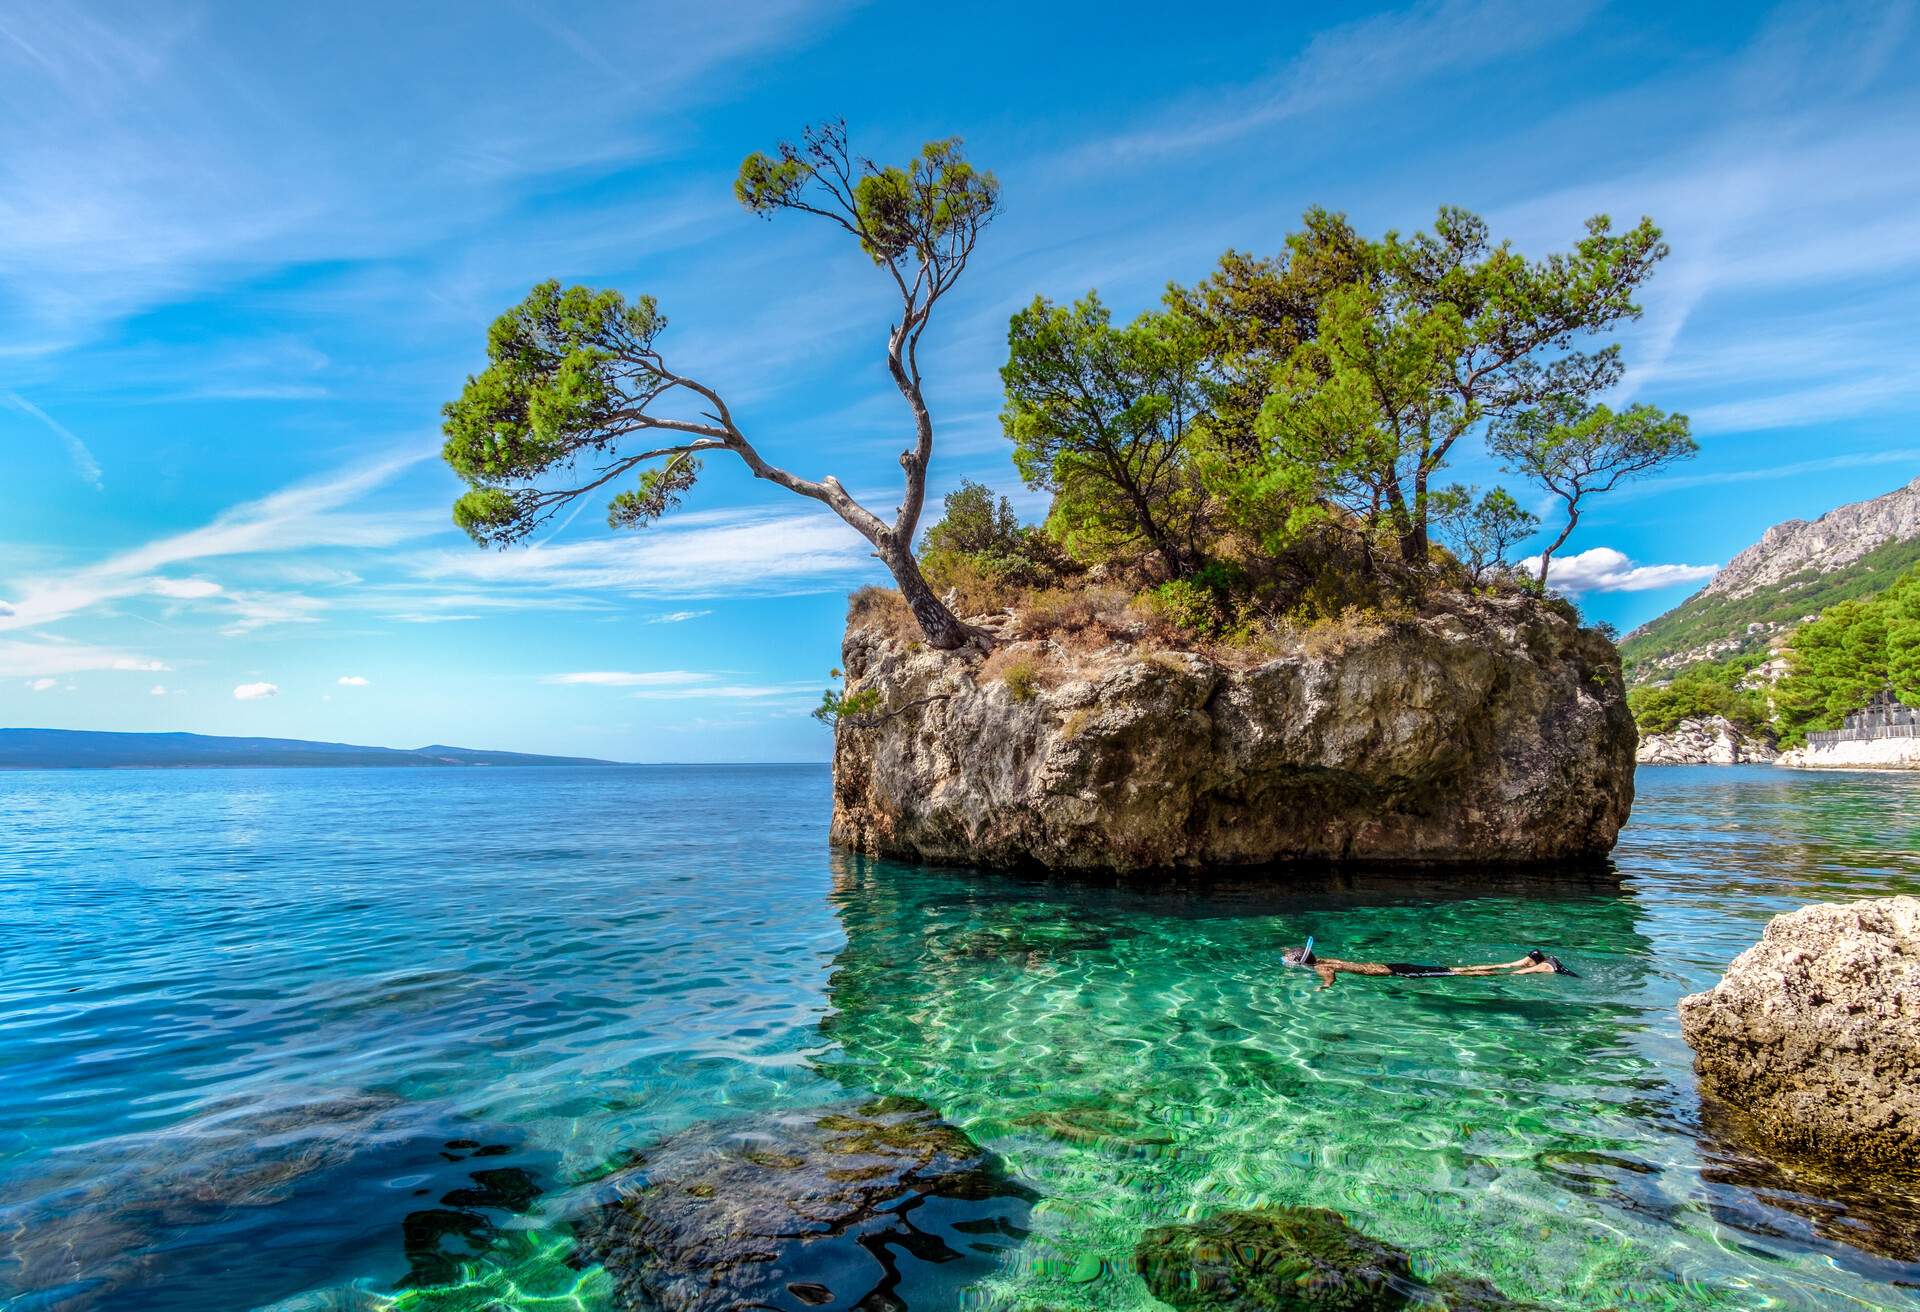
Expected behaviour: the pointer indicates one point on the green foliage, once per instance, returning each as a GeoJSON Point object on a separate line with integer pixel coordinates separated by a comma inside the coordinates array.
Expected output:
{"type": "Point", "coordinates": [562, 369]}
{"type": "Point", "coordinates": [1021, 680]}
{"type": "Point", "coordinates": [1252, 313]}
{"type": "Point", "coordinates": [1481, 532]}
{"type": "Point", "coordinates": [1699, 692]}
{"type": "Point", "coordinates": [1855, 651]}
{"type": "Point", "coordinates": [658, 492]}
{"type": "Point", "coordinates": [979, 548]}
{"type": "Point", "coordinates": [1576, 451]}
{"type": "Point", "coordinates": [931, 210]}
{"type": "Point", "coordinates": [1099, 416]}
{"type": "Point", "coordinates": [574, 374]}
{"type": "Point", "coordinates": [974, 524]}
{"type": "Point", "coordinates": [1441, 335]}
{"type": "Point", "coordinates": [835, 706]}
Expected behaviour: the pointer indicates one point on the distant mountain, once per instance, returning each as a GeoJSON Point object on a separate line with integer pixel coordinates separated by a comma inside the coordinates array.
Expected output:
{"type": "Point", "coordinates": [66, 749]}
{"type": "Point", "coordinates": [1796, 570]}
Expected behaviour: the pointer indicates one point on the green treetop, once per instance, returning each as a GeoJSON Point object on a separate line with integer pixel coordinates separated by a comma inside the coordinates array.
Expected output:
{"type": "Point", "coordinates": [1442, 335]}
{"type": "Point", "coordinates": [1100, 416]}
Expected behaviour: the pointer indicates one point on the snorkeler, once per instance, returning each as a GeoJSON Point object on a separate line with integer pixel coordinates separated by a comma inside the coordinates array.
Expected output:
{"type": "Point", "coordinates": [1328, 969]}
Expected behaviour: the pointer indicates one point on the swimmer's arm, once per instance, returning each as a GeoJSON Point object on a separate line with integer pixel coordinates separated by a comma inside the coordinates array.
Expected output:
{"type": "Point", "coordinates": [1326, 974]}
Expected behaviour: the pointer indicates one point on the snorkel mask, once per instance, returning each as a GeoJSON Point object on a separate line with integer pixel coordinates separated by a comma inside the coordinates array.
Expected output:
{"type": "Point", "coordinates": [1299, 956]}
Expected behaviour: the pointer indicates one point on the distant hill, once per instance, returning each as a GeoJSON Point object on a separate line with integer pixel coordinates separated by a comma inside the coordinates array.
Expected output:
{"type": "Point", "coordinates": [1796, 569]}
{"type": "Point", "coordinates": [68, 749]}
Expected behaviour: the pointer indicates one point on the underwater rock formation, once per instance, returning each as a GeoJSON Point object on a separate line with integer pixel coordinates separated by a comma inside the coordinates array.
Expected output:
{"type": "Point", "coordinates": [1814, 1033]}
{"type": "Point", "coordinates": [1490, 730]}
{"type": "Point", "coordinates": [802, 1210]}
{"type": "Point", "coordinates": [1296, 1259]}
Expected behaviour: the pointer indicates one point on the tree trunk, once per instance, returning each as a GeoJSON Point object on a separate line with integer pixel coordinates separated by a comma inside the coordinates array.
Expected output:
{"type": "Point", "coordinates": [944, 631]}
{"type": "Point", "coordinates": [1546, 557]}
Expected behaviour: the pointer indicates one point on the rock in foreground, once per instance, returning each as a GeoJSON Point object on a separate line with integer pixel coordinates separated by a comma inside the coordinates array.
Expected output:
{"type": "Point", "coordinates": [830, 1207]}
{"type": "Point", "coordinates": [1492, 730]}
{"type": "Point", "coordinates": [1706, 740]}
{"type": "Point", "coordinates": [1295, 1259]}
{"type": "Point", "coordinates": [1814, 1033]}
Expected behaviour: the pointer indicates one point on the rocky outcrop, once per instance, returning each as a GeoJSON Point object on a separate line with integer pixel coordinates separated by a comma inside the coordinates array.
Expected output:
{"type": "Point", "coordinates": [1491, 730]}
{"type": "Point", "coordinates": [798, 1210]}
{"type": "Point", "coordinates": [1297, 1259]}
{"type": "Point", "coordinates": [1708, 740]}
{"type": "Point", "coordinates": [1813, 1036]}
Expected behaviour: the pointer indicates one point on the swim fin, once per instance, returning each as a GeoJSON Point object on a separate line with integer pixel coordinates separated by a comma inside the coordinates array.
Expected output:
{"type": "Point", "coordinates": [1560, 969]}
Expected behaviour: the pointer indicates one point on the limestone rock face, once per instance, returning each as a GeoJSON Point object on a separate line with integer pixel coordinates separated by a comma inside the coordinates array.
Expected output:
{"type": "Point", "coordinates": [1707, 740]}
{"type": "Point", "coordinates": [1814, 1033]}
{"type": "Point", "coordinates": [1492, 730]}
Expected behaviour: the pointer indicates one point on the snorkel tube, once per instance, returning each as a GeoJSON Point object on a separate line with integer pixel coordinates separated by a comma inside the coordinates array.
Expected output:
{"type": "Point", "coordinates": [1302, 957]}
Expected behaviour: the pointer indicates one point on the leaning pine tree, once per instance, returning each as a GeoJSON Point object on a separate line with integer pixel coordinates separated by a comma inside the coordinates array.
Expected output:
{"type": "Point", "coordinates": [577, 394]}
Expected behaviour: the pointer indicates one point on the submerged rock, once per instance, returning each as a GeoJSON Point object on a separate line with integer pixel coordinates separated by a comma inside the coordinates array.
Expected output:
{"type": "Point", "coordinates": [1813, 1036]}
{"type": "Point", "coordinates": [1493, 730]}
{"type": "Point", "coordinates": [1706, 740]}
{"type": "Point", "coordinates": [1296, 1259]}
{"type": "Point", "coordinates": [801, 1210]}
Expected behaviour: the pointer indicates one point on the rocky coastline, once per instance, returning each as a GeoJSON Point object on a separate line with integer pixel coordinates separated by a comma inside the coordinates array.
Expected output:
{"type": "Point", "coordinates": [1706, 740]}
{"type": "Point", "coordinates": [1483, 730]}
{"type": "Point", "coordinates": [1813, 1036]}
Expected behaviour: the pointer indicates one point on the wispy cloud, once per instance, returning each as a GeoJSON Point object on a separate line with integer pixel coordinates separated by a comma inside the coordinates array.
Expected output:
{"type": "Point", "coordinates": [353, 681]}
{"type": "Point", "coordinates": [1603, 569]}
{"type": "Point", "coordinates": [1350, 63]}
{"type": "Point", "coordinates": [151, 153]}
{"type": "Point", "coordinates": [31, 657]}
{"type": "Point", "coordinates": [681, 685]}
{"type": "Point", "coordinates": [304, 516]}
{"type": "Point", "coordinates": [253, 692]}
{"type": "Point", "coordinates": [83, 462]}
{"type": "Point", "coordinates": [677, 616]}
{"type": "Point", "coordinates": [721, 553]}
{"type": "Point", "coordinates": [630, 678]}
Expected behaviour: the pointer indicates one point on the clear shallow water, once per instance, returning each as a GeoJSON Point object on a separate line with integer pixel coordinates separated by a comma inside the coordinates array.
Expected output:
{"type": "Point", "coordinates": [307, 1038]}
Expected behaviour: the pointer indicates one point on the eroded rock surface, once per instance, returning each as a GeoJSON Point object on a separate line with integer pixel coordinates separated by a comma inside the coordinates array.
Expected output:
{"type": "Point", "coordinates": [831, 1207]}
{"type": "Point", "coordinates": [1705, 740]}
{"type": "Point", "coordinates": [1813, 1036]}
{"type": "Point", "coordinates": [1493, 730]}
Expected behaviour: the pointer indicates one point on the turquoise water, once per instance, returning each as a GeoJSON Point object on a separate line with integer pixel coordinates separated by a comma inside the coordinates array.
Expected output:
{"type": "Point", "coordinates": [318, 1039]}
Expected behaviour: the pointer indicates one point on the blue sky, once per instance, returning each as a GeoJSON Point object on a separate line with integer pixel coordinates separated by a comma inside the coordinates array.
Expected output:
{"type": "Point", "coordinates": [246, 252]}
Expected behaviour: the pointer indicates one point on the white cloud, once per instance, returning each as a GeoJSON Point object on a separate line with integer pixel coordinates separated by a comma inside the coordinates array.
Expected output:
{"type": "Point", "coordinates": [352, 681]}
{"type": "Point", "coordinates": [253, 692]}
{"type": "Point", "coordinates": [23, 659]}
{"type": "Point", "coordinates": [158, 690]}
{"type": "Point", "coordinates": [43, 685]}
{"type": "Point", "coordinates": [1602, 569]}
{"type": "Point", "coordinates": [83, 461]}
{"type": "Point", "coordinates": [677, 616]}
{"type": "Point", "coordinates": [184, 589]}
